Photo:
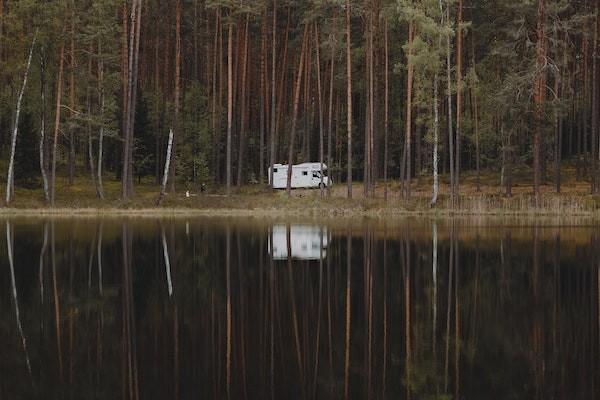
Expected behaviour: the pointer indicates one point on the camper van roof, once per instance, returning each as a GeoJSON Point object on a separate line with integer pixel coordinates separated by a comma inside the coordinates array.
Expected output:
{"type": "Point", "coordinates": [315, 166]}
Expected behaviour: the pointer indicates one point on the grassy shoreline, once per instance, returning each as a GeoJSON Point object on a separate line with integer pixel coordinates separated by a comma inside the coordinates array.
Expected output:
{"type": "Point", "coordinates": [277, 205]}
{"type": "Point", "coordinates": [260, 201]}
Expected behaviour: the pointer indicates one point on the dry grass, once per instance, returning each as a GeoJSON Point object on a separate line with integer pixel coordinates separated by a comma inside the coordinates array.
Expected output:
{"type": "Point", "coordinates": [260, 200]}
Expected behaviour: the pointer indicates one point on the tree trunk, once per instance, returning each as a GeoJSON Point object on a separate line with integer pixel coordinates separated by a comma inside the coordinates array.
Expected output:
{"type": "Point", "coordinates": [57, 119]}
{"type": "Point", "coordinates": [42, 142]}
{"type": "Point", "coordinates": [72, 100]}
{"type": "Point", "coordinates": [283, 67]}
{"type": "Point", "coordinates": [330, 118]}
{"type": "Point", "coordinates": [177, 95]}
{"type": "Point", "coordinates": [320, 101]}
{"type": "Point", "coordinates": [125, 87]}
{"type": "Point", "coordinates": [594, 132]}
{"type": "Point", "coordinates": [367, 162]}
{"type": "Point", "coordinates": [476, 117]}
{"type": "Point", "coordinates": [538, 99]}
{"type": "Point", "coordinates": [132, 74]}
{"type": "Point", "coordinates": [99, 185]}
{"type": "Point", "coordinates": [243, 108]}
{"type": "Point", "coordinates": [263, 96]}
{"type": "Point", "coordinates": [409, 90]}
{"type": "Point", "coordinates": [386, 112]}
{"type": "Point", "coordinates": [349, 101]}
{"type": "Point", "coordinates": [216, 93]}
{"type": "Point", "coordinates": [10, 181]}
{"type": "Point", "coordinates": [1, 24]}
{"type": "Point", "coordinates": [371, 146]}
{"type": "Point", "coordinates": [273, 131]}
{"type": "Point", "coordinates": [90, 146]}
{"type": "Point", "coordinates": [436, 126]}
{"type": "Point", "coordinates": [295, 110]}
{"type": "Point", "coordinates": [459, 48]}
{"type": "Point", "coordinates": [163, 186]}
{"type": "Point", "coordinates": [229, 101]}
{"type": "Point", "coordinates": [449, 122]}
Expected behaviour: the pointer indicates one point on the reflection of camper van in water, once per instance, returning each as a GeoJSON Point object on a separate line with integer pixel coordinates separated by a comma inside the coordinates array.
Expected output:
{"type": "Point", "coordinates": [305, 242]}
{"type": "Point", "coordinates": [307, 175]}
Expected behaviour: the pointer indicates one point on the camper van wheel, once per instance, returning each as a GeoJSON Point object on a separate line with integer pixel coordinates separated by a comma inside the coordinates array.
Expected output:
{"type": "Point", "coordinates": [322, 186]}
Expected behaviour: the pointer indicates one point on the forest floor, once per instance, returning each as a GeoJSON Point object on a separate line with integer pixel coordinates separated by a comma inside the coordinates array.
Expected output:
{"type": "Point", "coordinates": [259, 200]}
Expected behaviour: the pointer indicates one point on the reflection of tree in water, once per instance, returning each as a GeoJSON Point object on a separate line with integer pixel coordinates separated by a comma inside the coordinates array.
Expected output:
{"type": "Point", "coordinates": [449, 314]}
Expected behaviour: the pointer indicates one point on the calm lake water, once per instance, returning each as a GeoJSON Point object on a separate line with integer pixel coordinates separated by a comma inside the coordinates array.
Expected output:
{"type": "Point", "coordinates": [209, 308]}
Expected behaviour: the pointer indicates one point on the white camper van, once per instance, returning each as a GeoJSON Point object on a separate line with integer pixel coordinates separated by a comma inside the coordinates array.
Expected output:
{"type": "Point", "coordinates": [307, 175]}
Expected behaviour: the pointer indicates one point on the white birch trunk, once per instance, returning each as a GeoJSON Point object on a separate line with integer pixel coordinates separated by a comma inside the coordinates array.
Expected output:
{"type": "Point", "coordinates": [163, 187]}
{"type": "Point", "coordinates": [11, 165]}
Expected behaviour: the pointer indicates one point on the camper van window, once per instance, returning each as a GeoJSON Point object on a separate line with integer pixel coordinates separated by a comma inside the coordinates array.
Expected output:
{"type": "Point", "coordinates": [275, 170]}
{"type": "Point", "coordinates": [305, 173]}
{"type": "Point", "coordinates": [316, 175]}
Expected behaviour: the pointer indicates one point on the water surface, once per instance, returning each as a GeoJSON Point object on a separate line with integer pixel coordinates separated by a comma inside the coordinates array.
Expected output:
{"type": "Point", "coordinates": [148, 308]}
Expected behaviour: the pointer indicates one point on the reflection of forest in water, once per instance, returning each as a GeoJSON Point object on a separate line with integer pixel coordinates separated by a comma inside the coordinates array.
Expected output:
{"type": "Point", "coordinates": [452, 309]}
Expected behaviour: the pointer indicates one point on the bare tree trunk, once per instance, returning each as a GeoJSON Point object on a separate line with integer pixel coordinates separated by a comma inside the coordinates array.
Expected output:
{"type": "Point", "coordinates": [263, 97]}
{"type": "Point", "coordinates": [57, 120]}
{"type": "Point", "coordinates": [243, 108]}
{"type": "Point", "coordinates": [436, 127]}
{"type": "Point", "coordinates": [594, 132]}
{"type": "Point", "coordinates": [320, 101]}
{"type": "Point", "coordinates": [99, 185]}
{"type": "Point", "coordinates": [273, 131]}
{"type": "Point", "coordinates": [408, 132]}
{"type": "Point", "coordinates": [330, 113]}
{"type": "Point", "coordinates": [72, 67]}
{"type": "Point", "coordinates": [370, 146]}
{"type": "Point", "coordinates": [132, 75]}
{"type": "Point", "coordinates": [163, 187]}
{"type": "Point", "coordinates": [42, 142]}
{"type": "Point", "coordinates": [1, 24]}
{"type": "Point", "coordinates": [476, 117]}
{"type": "Point", "coordinates": [538, 98]}
{"type": "Point", "coordinates": [459, 56]}
{"type": "Point", "coordinates": [177, 95]}
{"type": "Point", "coordinates": [386, 123]}
{"type": "Point", "coordinates": [229, 102]}
{"type": "Point", "coordinates": [563, 94]}
{"type": "Point", "coordinates": [216, 93]}
{"type": "Point", "coordinates": [295, 110]}
{"type": "Point", "coordinates": [349, 102]}
{"type": "Point", "coordinates": [449, 95]}
{"type": "Point", "coordinates": [10, 181]}
{"type": "Point", "coordinates": [90, 146]}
